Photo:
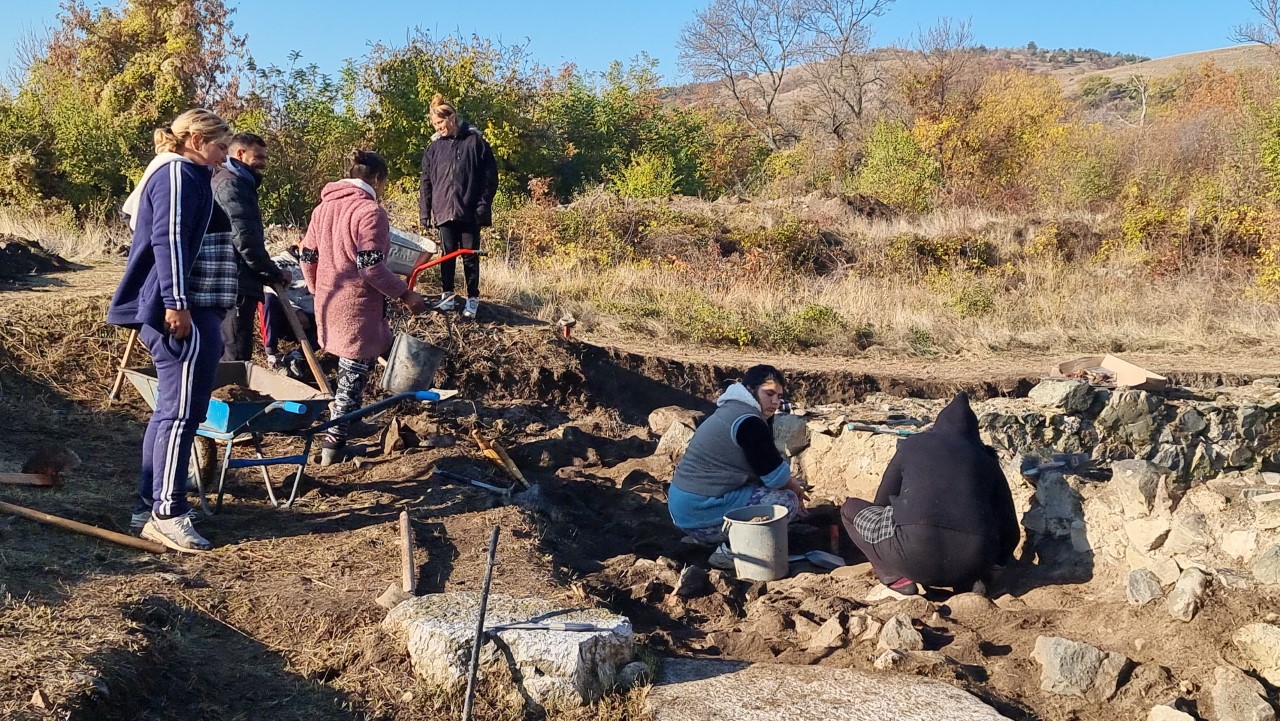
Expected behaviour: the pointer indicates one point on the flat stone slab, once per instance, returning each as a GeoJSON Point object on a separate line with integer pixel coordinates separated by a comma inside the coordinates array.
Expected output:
{"type": "Point", "coordinates": [705, 690]}
{"type": "Point", "coordinates": [550, 669]}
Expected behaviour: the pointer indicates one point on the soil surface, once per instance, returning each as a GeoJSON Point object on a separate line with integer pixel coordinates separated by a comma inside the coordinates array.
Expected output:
{"type": "Point", "coordinates": [279, 621]}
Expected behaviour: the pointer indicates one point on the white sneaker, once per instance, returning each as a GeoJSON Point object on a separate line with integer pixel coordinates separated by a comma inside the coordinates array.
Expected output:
{"type": "Point", "coordinates": [139, 519]}
{"type": "Point", "coordinates": [447, 303]}
{"type": "Point", "coordinates": [471, 308]}
{"type": "Point", "coordinates": [176, 533]}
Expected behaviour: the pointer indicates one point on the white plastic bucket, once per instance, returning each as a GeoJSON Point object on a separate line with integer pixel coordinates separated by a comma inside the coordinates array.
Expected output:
{"type": "Point", "coordinates": [759, 547]}
{"type": "Point", "coordinates": [408, 251]}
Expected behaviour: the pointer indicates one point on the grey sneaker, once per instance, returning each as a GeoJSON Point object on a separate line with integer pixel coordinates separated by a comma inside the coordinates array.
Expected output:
{"type": "Point", "coordinates": [447, 303]}
{"type": "Point", "coordinates": [139, 519]}
{"type": "Point", "coordinates": [721, 558]}
{"type": "Point", "coordinates": [471, 308]}
{"type": "Point", "coordinates": [176, 533]}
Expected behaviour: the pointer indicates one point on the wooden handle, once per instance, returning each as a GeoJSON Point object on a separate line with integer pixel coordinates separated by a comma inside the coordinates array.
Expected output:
{"type": "Point", "coordinates": [124, 363]}
{"type": "Point", "coordinates": [512, 469]}
{"type": "Point", "coordinates": [407, 582]}
{"type": "Point", "coordinates": [26, 479]}
{"type": "Point", "coordinates": [82, 528]}
{"type": "Point", "coordinates": [301, 335]}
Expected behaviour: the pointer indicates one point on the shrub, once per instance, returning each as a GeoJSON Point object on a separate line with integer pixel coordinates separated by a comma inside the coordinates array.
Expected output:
{"type": "Point", "coordinates": [896, 170]}
{"type": "Point", "coordinates": [648, 175]}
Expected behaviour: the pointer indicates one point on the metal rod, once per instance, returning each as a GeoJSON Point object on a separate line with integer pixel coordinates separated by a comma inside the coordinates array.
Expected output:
{"type": "Point", "coordinates": [475, 648]}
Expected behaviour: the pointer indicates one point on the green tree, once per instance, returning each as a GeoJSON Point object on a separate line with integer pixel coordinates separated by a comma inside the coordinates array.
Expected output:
{"type": "Point", "coordinates": [107, 77]}
{"type": "Point", "coordinates": [310, 123]}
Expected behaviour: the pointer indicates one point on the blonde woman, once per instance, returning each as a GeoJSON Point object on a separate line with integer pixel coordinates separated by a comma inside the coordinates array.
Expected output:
{"type": "Point", "coordinates": [177, 286]}
{"type": "Point", "coordinates": [459, 180]}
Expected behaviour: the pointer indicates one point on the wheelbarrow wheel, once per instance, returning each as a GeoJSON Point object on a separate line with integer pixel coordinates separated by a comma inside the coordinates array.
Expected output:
{"type": "Point", "coordinates": [202, 471]}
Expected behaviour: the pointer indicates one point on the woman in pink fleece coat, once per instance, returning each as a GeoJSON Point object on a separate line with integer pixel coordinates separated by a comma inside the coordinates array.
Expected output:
{"type": "Point", "coordinates": [343, 259]}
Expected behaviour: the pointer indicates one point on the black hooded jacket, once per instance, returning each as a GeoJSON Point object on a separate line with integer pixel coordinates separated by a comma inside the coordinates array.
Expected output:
{"type": "Point", "coordinates": [947, 478]}
{"type": "Point", "coordinates": [459, 180]}
{"type": "Point", "coordinates": [238, 197]}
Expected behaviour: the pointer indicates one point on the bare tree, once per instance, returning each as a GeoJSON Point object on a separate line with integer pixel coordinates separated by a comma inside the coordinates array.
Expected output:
{"type": "Point", "coordinates": [1266, 31]}
{"type": "Point", "coordinates": [839, 36]}
{"type": "Point", "coordinates": [935, 81]}
{"type": "Point", "coordinates": [933, 73]}
{"type": "Point", "coordinates": [1137, 88]}
{"type": "Point", "coordinates": [748, 47]}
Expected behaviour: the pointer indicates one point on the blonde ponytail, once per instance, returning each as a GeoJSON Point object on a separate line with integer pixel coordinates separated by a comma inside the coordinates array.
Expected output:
{"type": "Point", "coordinates": [173, 137]}
{"type": "Point", "coordinates": [441, 108]}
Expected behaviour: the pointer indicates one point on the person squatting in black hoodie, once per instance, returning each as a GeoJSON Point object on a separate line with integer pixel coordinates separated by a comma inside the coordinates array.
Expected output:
{"type": "Point", "coordinates": [943, 515]}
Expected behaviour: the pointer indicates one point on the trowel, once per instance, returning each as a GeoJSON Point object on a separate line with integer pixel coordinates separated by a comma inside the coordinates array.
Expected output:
{"type": "Point", "coordinates": [821, 559]}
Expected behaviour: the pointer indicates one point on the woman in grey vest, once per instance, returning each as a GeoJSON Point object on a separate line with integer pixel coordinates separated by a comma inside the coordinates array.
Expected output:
{"type": "Point", "coordinates": [732, 462]}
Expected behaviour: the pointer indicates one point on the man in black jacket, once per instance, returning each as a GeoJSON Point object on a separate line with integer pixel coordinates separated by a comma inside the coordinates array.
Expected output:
{"type": "Point", "coordinates": [458, 183]}
{"type": "Point", "coordinates": [235, 187]}
{"type": "Point", "coordinates": [943, 515]}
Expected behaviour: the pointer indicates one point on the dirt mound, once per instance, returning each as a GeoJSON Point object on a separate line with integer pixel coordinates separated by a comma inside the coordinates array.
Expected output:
{"type": "Point", "coordinates": [21, 257]}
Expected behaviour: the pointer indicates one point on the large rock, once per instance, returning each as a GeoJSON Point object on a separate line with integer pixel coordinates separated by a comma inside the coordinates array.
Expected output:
{"type": "Point", "coordinates": [1071, 668]}
{"type": "Point", "coordinates": [1187, 596]}
{"type": "Point", "coordinates": [1189, 535]}
{"type": "Point", "coordinates": [1267, 568]}
{"type": "Point", "coordinates": [1148, 534]}
{"type": "Point", "coordinates": [1131, 417]}
{"type": "Point", "coordinates": [898, 634]}
{"type": "Point", "coordinates": [1168, 713]}
{"type": "Point", "coordinates": [1071, 396]}
{"type": "Point", "coordinates": [1143, 488]}
{"type": "Point", "coordinates": [1259, 644]}
{"type": "Point", "coordinates": [674, 442]}
{"type": "Point", "coordinates": [851, 464]}
{"type": "Point", "coordinates": [1240, 545]}
{"type": "Point", "coordinates": [554, 670]}
{"type": "Point", "coordinates": [703, 690]}
{"type": "Point", "coordinates": [790, 434]}
{"type": "Point", "coordinates": [1056, 507]}
{"type": "Point", "coordinates": [1143, 587]}
{"type": "Point", "coordinates": [1236, 697]}
{"type": "Point", "coordinates": [1266, 511]}
{"type": "Point", "coordinates": [661, 419]}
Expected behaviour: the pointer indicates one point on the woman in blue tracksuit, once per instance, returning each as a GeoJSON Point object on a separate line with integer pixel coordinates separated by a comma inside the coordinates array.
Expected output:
{"type": "Point", "coordinates": [178, 283]}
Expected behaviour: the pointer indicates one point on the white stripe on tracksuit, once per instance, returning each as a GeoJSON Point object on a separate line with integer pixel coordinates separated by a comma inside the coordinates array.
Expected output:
{"type": "Point", "coordinates": [169, 479]}
{"type": "Point", "coordinates": [176, 263]}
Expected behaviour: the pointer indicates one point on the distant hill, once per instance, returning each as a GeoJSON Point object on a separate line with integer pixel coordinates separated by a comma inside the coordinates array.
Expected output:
{"type": "Point", "coordinates": [1237, 57]}
{"type": "Point", "coordinates": [1072, 67]}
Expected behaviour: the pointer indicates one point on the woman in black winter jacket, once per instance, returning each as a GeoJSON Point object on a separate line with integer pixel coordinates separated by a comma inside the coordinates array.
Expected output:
{"type": "Point", "coordinates": [458, 182]}
{"type": "Point", "coordinates": [943, 515]}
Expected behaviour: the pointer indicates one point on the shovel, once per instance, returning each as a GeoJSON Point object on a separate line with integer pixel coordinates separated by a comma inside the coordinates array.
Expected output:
{"type": "Point", "coordinates": [821, 559]}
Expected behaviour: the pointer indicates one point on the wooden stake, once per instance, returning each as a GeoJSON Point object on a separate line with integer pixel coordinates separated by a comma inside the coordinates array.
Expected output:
{"type": "Point", "coordinates": [407, 582]}
{"type": "Point", "coordinates": [124, 363]}
{"type": "Point", "coordinates": [301, 335]}
{"type": "Point", "coordinates": [82, 528]}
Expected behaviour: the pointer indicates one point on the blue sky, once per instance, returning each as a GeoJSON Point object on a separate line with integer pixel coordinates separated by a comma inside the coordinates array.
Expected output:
{"type": "Point", "coordinates": [593, 32]}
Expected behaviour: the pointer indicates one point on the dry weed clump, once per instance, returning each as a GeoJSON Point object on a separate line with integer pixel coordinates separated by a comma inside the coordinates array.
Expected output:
{"type": "Point", "coordinates": [65, 346]}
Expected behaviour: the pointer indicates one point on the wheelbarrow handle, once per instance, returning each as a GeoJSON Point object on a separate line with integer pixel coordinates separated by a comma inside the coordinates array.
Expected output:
{"type": "Point", "coordinates": [374, 408]}
{"type": "Point", "coordinates": [413, 277]}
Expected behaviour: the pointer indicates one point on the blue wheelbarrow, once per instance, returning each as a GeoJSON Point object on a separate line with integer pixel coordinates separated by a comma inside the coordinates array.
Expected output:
{"type": "Point", "coordinates": [290, 408]}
